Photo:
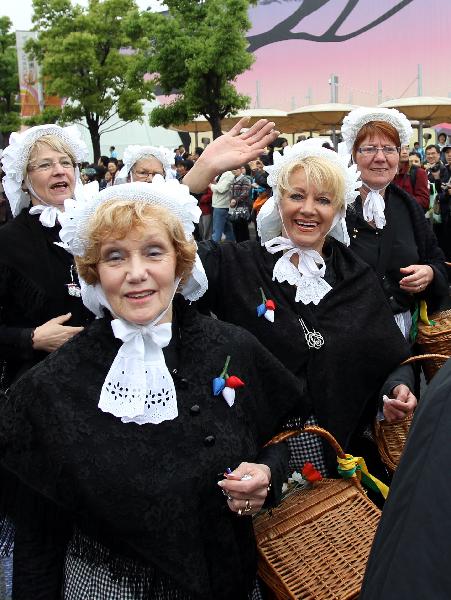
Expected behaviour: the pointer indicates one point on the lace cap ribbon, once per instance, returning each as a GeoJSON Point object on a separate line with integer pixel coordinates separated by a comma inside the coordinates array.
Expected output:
{"type": "Point", "coordinates": [139, 387]}
{"type": "Point", "coordinates": [374, 207]}
{"type": "Point", "coordinates": [307, 276]}
{"type": "Point", "coordinates": [48, 214]}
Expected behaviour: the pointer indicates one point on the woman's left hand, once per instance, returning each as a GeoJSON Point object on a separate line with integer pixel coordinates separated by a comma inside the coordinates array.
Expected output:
{"type": "Point", "coordinates": [417, 278]}
{"type": "Point", "coordinates": [247, 487]}
{"type": "Point", "coordinates": [402, 403]}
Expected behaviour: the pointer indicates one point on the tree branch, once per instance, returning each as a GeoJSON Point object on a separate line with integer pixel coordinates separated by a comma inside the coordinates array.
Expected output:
{"type": "Point", "coordinates": [330, 35]}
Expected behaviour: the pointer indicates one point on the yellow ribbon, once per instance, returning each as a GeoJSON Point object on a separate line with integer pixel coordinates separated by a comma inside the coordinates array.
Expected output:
{"type": "Point", "coordinates": [424, 313]}
{"type": "Point", "coordinates": [351, 465]}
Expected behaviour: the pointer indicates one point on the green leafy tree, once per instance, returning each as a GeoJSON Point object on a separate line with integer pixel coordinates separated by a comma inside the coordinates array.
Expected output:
{"type": "Point", "coordinates": [9, 79]}
{"type": "Point", "coordinates": [87, 58]}
{"type": "Point", "coordinates": [198, 49]}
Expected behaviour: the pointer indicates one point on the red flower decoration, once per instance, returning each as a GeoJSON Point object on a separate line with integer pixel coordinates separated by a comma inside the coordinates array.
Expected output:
{"type": "Point", "coordinates": [234, 382]}
{"type": "Point", "coordinates": [310, 473]}
{"type": "Point", "coordinates": [270, 305]}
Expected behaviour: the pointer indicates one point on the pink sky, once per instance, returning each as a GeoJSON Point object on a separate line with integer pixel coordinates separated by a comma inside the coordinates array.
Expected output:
{"type": "Point", "coordinates": [390, 52]}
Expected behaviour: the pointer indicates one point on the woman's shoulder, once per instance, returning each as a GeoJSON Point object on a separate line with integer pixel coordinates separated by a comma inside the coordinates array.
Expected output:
{"type": "Point", "coordinates": [74, 362]}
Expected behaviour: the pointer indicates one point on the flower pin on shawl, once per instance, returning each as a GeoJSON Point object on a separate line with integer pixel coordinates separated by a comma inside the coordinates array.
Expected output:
{"type": "Point", "coordinates": [226, 384]}
{"type": "Point", "coordinates": [266, 308]}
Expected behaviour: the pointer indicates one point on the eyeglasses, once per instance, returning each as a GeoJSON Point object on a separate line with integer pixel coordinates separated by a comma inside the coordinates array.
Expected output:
{"type": "Point", "coordinates": [46, 165]}
{"type": "Point", "coordinates": [371, 150]}
{"type": "Point", "coordinates": [146, 174]}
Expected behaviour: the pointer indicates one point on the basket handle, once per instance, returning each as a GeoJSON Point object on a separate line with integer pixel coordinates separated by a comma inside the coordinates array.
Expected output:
{"type": "Point", "coordinates": [285, 435]}
{"type": "Point", "coordinates": [418, 357]}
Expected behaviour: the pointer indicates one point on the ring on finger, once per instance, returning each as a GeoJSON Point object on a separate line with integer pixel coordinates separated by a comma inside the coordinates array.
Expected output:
{"type": "Point", "coordinates": [248, 506]}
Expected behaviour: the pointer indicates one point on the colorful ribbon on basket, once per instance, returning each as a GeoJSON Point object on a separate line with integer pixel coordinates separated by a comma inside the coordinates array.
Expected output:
{"type": "Point", "coordinates": [351, 465]}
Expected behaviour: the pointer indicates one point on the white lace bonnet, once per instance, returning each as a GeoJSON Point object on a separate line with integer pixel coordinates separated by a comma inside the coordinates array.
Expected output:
{"type": "Point", "coordinates": [269, 223]}
{"type": "Point", "coordinates": [15, 158]}
{"type": "Point", "coordinates": [357, 118]}
{"type": "Point", "coordinates": [170, 194]}
{"type": "Point", "coordinates": [134, 153]}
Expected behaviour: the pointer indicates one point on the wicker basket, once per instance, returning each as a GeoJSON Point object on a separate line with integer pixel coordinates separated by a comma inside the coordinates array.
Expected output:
{"type": "Point", "coordinates": [435, 340]}
{"type": "Point", "coordinates": [316, 543]}
{"type": "Point", "coordinates": [390, 439]}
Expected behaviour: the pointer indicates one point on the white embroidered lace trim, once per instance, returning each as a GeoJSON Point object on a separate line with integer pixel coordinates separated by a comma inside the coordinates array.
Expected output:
{"type": "Point", "coordinates": [139, 388]}
{"type": "Point", "coordinates": [307, 276]}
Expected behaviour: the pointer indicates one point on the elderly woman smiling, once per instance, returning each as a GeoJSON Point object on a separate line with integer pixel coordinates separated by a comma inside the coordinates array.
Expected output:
{"type": "Point", "coordinates": [39, 292]}
{"type": "Point", "coordinates": [386, 226]}
{"type": "Point", "coordinates": [327, 321]}
{"type": "Point", "coordinates": [125, 431]}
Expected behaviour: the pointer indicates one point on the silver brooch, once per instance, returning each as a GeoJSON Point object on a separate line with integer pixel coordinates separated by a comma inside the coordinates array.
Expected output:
{"type": "Point", "coordinates": [72, 288]}
{"type": "Point", "coordinates": [313, 338]}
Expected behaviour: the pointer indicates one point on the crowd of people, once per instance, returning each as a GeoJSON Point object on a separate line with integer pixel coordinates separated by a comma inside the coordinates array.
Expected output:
{"type": "Point", "coordinates": [150, 344]}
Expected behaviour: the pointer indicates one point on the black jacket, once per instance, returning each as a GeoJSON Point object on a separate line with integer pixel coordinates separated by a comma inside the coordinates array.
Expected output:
{"type": "Point", "coordinates": [148, 492]}
{"type": "Point", "coordinates": [34, 274]}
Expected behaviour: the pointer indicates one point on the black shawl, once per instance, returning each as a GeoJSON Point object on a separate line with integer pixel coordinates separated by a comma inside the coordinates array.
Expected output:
{"type": "Point", "coordinates": [362, 342]}
{"type": "Point", "coordinates": [150, 492]}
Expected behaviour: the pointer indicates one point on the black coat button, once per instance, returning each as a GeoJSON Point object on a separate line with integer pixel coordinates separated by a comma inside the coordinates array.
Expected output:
{"type": "Point", "coordinates": [195, 409]}
{"type": "Point", "coordinates": [209, 440]}
{"type": "Point", "coordinates": [183, 383]}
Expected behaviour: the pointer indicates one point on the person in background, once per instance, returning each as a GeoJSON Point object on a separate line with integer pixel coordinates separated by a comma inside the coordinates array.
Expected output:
{"type": "Point", "coordinates": [222, 195]}
{"type": "Point", "coordinates": [142, 163]}
{"type": "Point", "coordinates": [441, 143]}
{"type": "Point", "coordinates": [420, 151]}
{"type": "Point", "coordinates": [206, 219]}
{"type": "Point", "coordinates": [412, 179]}
{"type": "Point", "coordinates": [113, 170]}
{"type": "Point", "coordinates": [414, 159]}
{"type": "Point", "coordinates": [113, 153]}
{"type": "Point", "coordinates": [182, 168]}
{"type": "Point", "coordinates": [241, 197]}
{"type": "Point", "coordinates": [434, 167]}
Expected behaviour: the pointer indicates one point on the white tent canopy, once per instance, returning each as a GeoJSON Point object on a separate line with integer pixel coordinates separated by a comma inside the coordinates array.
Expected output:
{"type": "Point", "coordinates": [134, 133]}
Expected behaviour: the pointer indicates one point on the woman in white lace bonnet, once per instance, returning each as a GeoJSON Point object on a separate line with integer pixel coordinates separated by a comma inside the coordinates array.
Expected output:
{"type": "Point", "coordinates": [142, 163]}
{"type": "Point", "coordinates": [133, 430]}
{"type": "Point", "coordinates": [312, 302]}
{"type": "Point", "coordinates": [386, 226]}
{"type": "Point", "coordinates": [39, 292]}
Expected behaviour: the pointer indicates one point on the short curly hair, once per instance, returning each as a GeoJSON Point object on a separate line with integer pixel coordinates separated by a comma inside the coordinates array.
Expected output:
{"type": "Point", "coordinates": [116, 218]}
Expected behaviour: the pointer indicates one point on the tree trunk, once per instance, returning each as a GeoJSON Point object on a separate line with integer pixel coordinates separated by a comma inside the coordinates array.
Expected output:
{"type": "Point", "coordinates": [95, 137]}
{"type": "Point", "coordinates": [215, 123]}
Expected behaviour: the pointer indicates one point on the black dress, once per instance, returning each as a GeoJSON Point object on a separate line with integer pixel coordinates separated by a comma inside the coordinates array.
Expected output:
{"type": "Point", "coordinates": [147, 493]}
{"type": "Point", "coordinates": [362, 345]}
{"type": "Point", "coordinates": [34, 274]}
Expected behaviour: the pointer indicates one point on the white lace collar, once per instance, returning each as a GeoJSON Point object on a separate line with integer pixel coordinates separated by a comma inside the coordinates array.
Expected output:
{"type": "Point", "coordinates": [308, 276]}
{"type": "Point", "coordinates": [138, 387]}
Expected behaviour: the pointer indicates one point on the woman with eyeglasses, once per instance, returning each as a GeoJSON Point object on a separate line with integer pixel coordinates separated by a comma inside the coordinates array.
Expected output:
{"type": "Point", "coordinates": [142, 163]}
{"type": "Point", "coordinates": [386, 226]}
{"type": "Point", "coordinates": [40, 303]}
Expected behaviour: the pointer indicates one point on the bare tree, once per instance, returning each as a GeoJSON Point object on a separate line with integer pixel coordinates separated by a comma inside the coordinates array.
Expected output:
{"type": "Point", "coordinates": [283, 30]}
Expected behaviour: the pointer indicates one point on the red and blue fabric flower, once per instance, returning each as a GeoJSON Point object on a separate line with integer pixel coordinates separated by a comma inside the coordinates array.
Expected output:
{"type": "Point", "coordinates": [266, 308]}
{"type": "Point", "coordinates": [226, 384]}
